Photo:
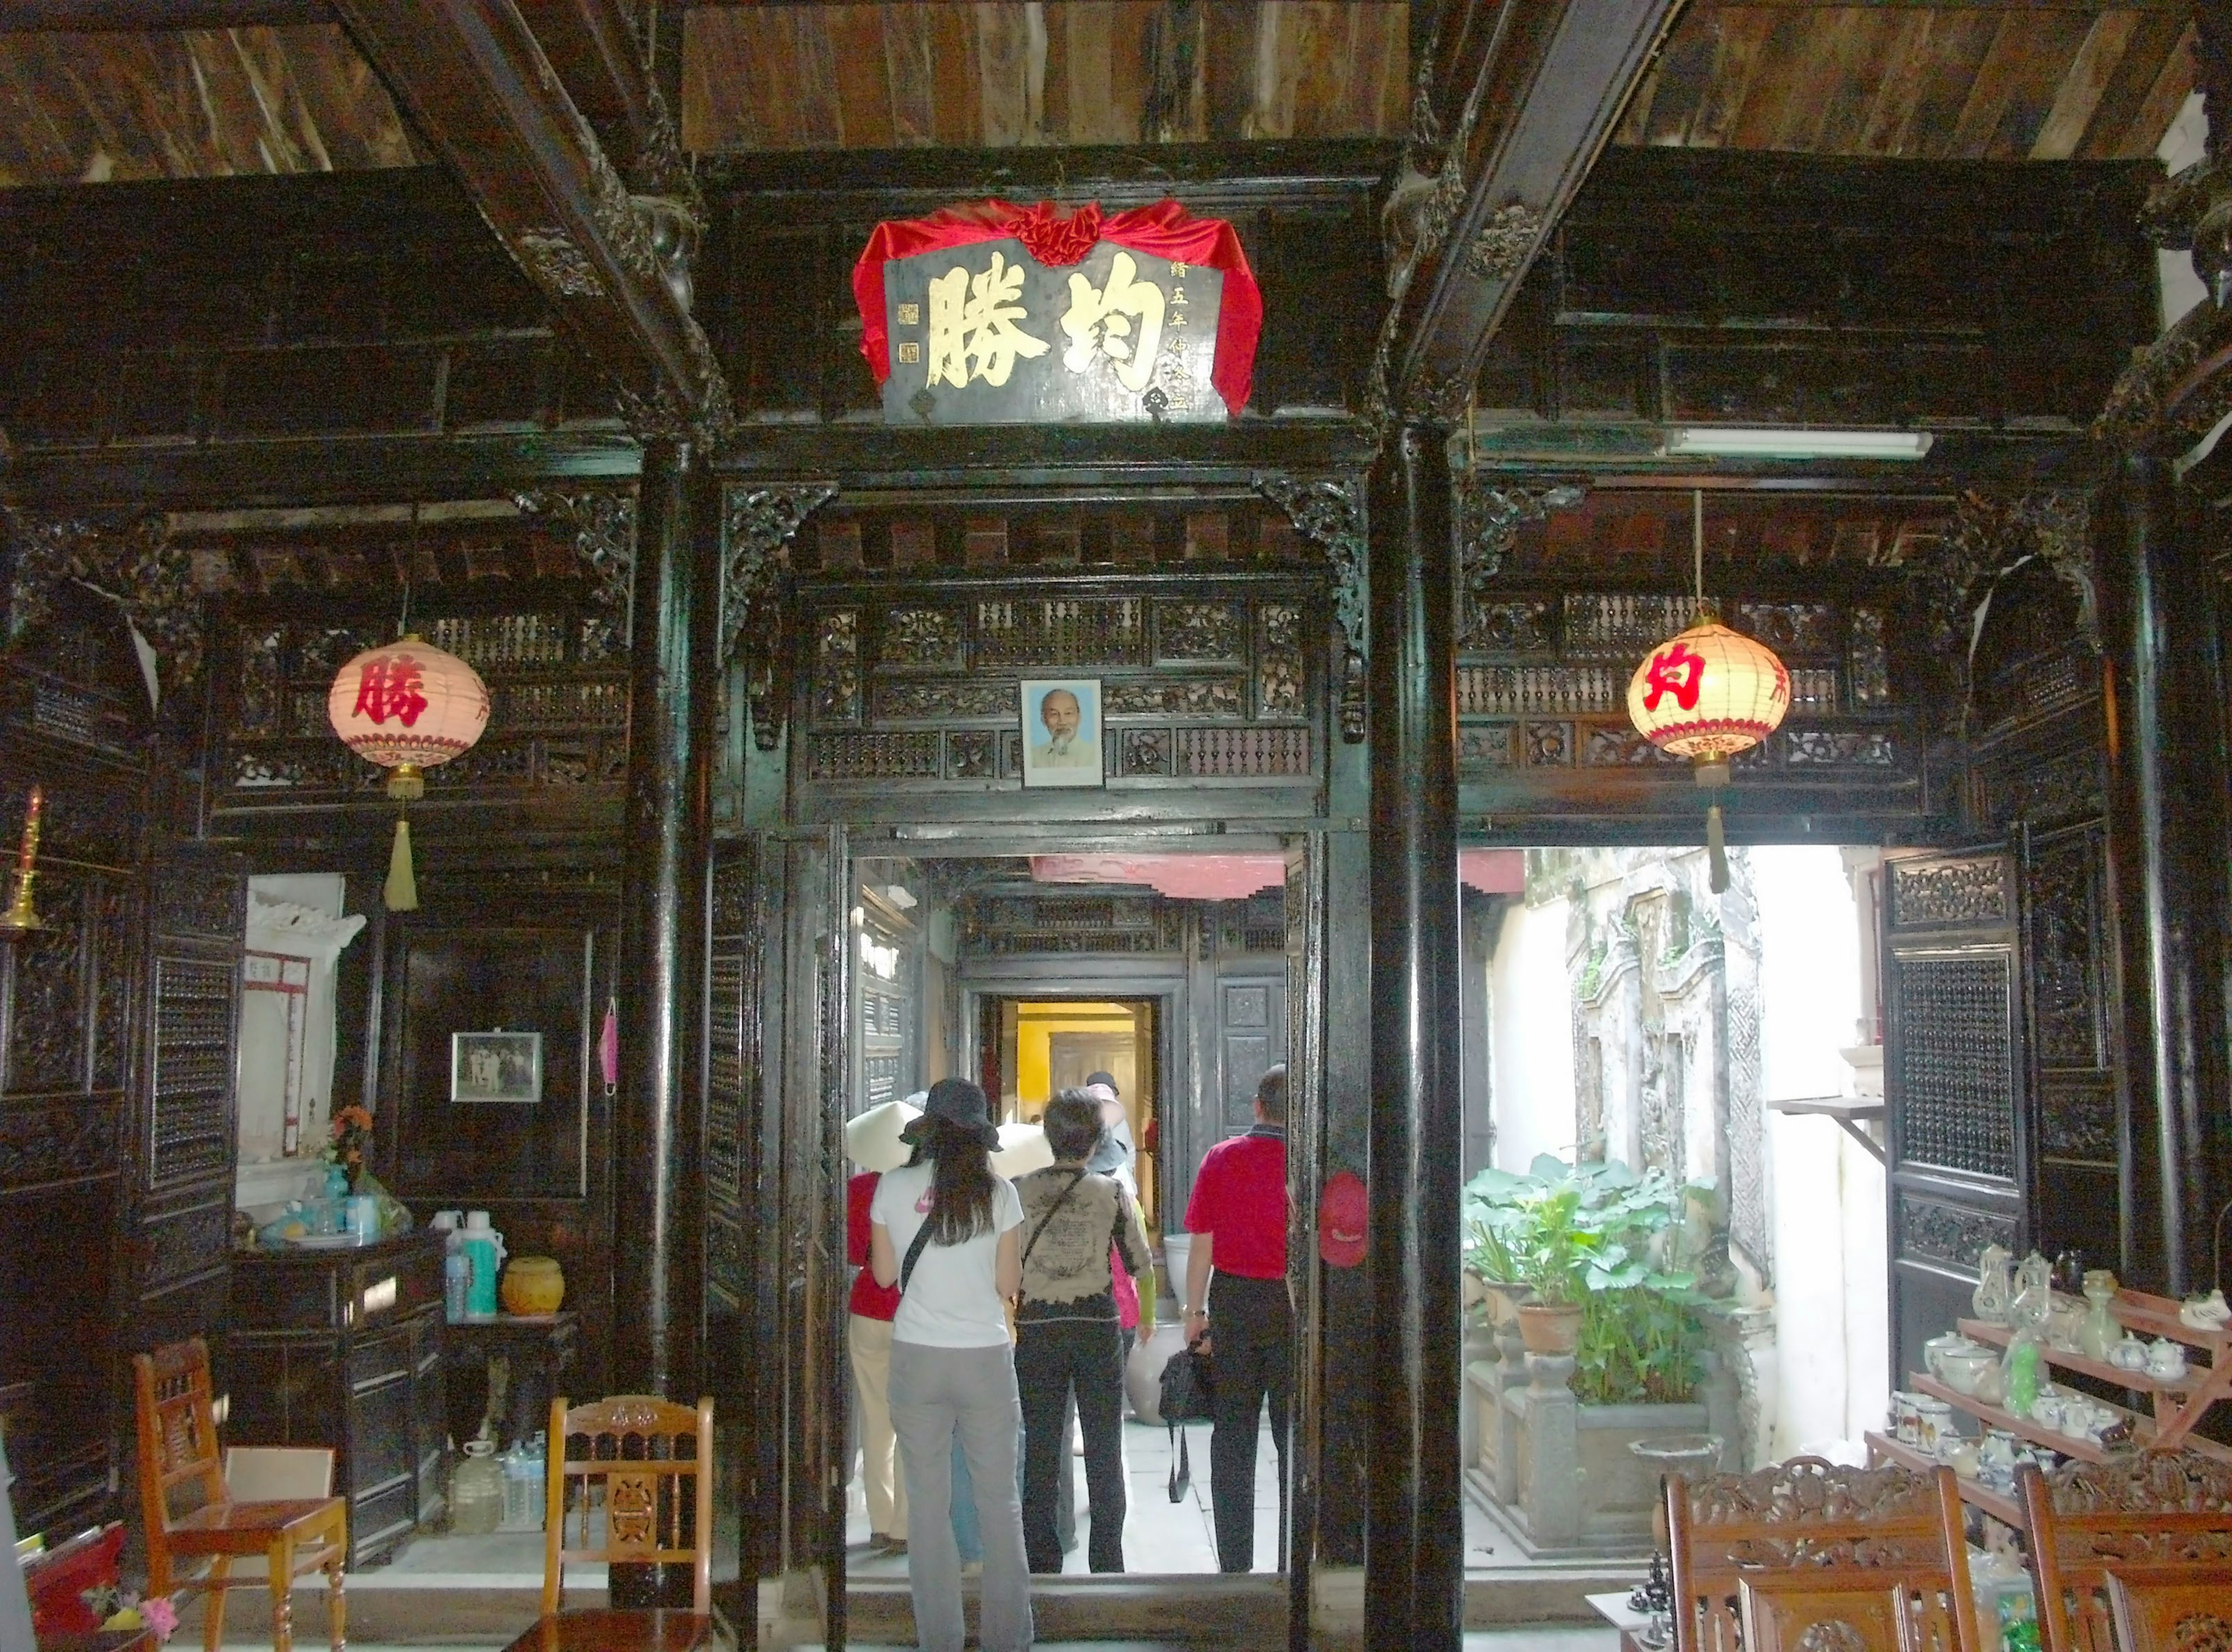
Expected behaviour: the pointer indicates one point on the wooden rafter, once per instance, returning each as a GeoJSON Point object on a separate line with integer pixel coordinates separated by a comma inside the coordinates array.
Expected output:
{"type": "Point", "coordinates": [1544, 99]}
{"type": "Point", "coordinates": [483, 91]}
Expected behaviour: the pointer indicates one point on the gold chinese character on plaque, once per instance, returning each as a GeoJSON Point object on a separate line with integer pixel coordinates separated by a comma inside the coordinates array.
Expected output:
{"type": "Point", "coordinates": [910, 352]}
{"type": "Point", "coordinates": [1099, 320]}
{"type": "Point", "coordinates": [972, 324]}
{"type": "Point", "coordinates": [910, 316]}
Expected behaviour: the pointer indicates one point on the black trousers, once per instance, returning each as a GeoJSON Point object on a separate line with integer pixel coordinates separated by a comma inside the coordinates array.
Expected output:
{"type": "Point", "coordinates": [1251, 1332]}
{"type": "Point", "coordinates": [1053, 1361]}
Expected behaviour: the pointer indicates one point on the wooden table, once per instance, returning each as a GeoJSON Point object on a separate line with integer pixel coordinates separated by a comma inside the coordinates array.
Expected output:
{"type": "Point", "coordinates": [539, 1347]}
{"type": "Point", "coordinates": [609, 1632]}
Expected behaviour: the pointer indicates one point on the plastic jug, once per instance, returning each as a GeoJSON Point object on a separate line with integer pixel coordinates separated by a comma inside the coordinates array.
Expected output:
{"type": "Point", "coordinates": [476, 1491]}
{"type": "Point", "coordinates": [484, 1249]}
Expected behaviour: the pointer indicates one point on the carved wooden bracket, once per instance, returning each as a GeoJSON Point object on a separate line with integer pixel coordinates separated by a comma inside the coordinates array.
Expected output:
{"type": "Point", "coordinates": [1489, 520]}
{"type": "Point", "coordinates": [128, 559]}
{"type": "Point", "coordinates": [603, 533]}
{"type": "Point", "coordinates": [1330, 515]}
{"type": "Point", "coordinates": [757, 525]}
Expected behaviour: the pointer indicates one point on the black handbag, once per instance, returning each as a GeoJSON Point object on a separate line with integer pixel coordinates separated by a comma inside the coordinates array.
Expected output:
{"type": "Point", "coordinates": [1188, 1394]}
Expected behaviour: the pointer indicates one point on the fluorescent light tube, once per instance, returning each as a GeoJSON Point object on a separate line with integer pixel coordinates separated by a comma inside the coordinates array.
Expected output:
{"type": "Point", "coordinates": [1797, 441]}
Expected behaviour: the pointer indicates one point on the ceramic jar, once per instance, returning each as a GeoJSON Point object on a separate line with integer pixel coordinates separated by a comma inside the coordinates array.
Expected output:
{"type": "Point", "coordinates": [533, 1285]}
{"type": "Point", "coordinates": [1994, 1286]}
{"type": "Point", "coordinates": [2098, 1336]}
{"type": "Point", "coordinates": [2128, 1355]}
{"type": "Point", "coordinates": [1962, 1368]}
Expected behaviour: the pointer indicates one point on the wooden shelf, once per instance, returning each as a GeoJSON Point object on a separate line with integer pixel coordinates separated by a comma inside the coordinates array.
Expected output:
{"type": "Point", "coordinates": [2157, 1316]}
{"type": "Point", "coordinates": [2021, 1428]}
{"type": "Point", "coordinates": [2000, 1506]}
{"type": "Point", "coordinates": [2070, 1360]}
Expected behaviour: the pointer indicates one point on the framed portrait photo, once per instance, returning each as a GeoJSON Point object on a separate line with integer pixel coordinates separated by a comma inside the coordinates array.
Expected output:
{"type": "Point", "coordinates": [1061, 732]}
{"type": "Point", "coordinates": [497, 1066]}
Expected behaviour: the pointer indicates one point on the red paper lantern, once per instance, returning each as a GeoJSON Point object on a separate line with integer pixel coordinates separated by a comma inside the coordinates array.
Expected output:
{"type": "Point", "coordinates": [1708, 694]}
{"type": "Point", "coordinates": [407, 707]}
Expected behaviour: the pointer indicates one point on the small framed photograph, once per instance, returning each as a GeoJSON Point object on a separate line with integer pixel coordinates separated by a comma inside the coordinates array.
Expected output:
{"type": "Point", "coordinates": [495, 1067]}
{"type": "Point", "coordinates": [1061, 732]}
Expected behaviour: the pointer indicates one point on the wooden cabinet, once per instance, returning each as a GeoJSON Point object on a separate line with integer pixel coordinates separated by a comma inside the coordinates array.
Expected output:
{"type": "Point", "coordinates": [343, 1348]}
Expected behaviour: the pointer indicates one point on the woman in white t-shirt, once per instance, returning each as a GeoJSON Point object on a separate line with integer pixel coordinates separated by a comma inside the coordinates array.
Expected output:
{"type": "Point", "coordinates": [943, 1229]}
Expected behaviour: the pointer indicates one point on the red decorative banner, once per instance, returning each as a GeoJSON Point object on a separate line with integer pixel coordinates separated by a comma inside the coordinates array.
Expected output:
{"type": "Point", "coordinates": [1102, 331]}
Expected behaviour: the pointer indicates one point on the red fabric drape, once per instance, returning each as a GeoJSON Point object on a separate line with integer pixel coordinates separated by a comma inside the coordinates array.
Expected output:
{"type": "Point", "coordinates": [1164, 230]}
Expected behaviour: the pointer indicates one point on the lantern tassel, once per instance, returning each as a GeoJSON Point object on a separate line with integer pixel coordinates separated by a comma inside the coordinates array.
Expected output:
{"type": "Point", "coordinates": [401, 893]}
{"type": "Point", "coordinates": [1717, 851]}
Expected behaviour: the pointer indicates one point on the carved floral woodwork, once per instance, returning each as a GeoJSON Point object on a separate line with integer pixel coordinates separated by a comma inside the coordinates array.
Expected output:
{"type": "Point", "coordinates": [1329, 513]}
{"type": "Point", "coordinates": [1954, 578]}
{"type": "Point", "coordinates": [129, 560]}
{"type": "Point", "coordinates": [604, 534]}
{"type": "Point", "coordinates": [1950, 1234]}
{"type": "Point", "coordinates": [1762, 1519]}
{"type": "Point", "coordinates": [758, 525]}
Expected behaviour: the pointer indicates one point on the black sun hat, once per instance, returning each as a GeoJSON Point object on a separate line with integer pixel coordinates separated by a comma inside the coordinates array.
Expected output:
{"type": "Point", "coordinates": [960, 1103]}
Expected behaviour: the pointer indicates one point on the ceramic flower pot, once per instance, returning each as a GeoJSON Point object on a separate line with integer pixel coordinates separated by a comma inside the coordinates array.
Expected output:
{"type": "Point", "coordinates": [1550, 1327]}
{"type": "Point", "coordinates": [534, 1284]}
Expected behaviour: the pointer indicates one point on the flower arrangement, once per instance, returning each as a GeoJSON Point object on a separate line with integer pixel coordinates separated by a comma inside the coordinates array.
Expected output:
{"type": "Point", "coordinates": [121, 1608]}
{"type": "Point", "coordinates": [348, 1138]}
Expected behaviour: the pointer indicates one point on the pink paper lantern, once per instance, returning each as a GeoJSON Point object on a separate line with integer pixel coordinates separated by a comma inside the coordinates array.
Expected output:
{"type": "Point", "coordinates": [407, 707]}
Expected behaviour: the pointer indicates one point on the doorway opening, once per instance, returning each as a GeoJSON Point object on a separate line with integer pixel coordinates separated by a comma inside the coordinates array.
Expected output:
{"type": "Point", "coordinates": [988, 965]}
{"type": "Point", "coordinates": [1714, 1060]}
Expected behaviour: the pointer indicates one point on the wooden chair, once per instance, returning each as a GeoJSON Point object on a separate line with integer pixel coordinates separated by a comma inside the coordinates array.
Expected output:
{"type": "Point", "coordinates": [2173, 1609]}
{"type": "Point", "coordinates": [2161, 1512]}
{"type": "Point", "coordinates": [1811, 1536]}
{"type": "Point", "coordinates": [190, 1516]}
{"type": "Point", "coordinates": [642, 1468]}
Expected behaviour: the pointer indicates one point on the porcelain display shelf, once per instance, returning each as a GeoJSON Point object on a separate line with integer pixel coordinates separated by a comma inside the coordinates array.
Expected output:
{"type": "Point", "coordinates": [2180, 1402]}
{"type": "Point", "coordinates": [2157, 1316]}
{"type": "Point", "coordinates": [2145, 1436]}
{"type": "Point", "coordinates": [2070, 1360]}
{"type": "Point", "coordinates": [2000, 1505]}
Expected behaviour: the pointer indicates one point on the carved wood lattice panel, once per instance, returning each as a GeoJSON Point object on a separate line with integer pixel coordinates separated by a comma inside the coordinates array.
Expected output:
{"type": "Point", "coordinates": [1956, 1062]}
{"type": "Point", "coordinates": [192, 1068]}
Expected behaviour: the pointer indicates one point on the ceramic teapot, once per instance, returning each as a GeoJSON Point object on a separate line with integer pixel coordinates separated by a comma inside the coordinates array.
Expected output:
{"type": "Point", "coordinates": [2034, 1299]}
{"type": "Point", "coordinates": [1994, 1286]}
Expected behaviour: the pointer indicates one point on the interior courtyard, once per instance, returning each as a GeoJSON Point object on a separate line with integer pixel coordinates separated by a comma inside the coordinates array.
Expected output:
{"type": "Point", "coordinates": [1594, 629]}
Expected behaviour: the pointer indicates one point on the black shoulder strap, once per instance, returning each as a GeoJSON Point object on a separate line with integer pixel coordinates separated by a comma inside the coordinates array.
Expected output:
{"type": "Point", "coordinates": [914, 1255]}
{"type": "Point", "coordinates": [1058, 1199]}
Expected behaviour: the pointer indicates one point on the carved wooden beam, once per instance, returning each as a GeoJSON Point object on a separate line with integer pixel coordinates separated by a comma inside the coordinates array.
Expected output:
{"type": "Point", "coordinates": [485, 95]}
{"type": "Point", "coordinates": [1537, 89]}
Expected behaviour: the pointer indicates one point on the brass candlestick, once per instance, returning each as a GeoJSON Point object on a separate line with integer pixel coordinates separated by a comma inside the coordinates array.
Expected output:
{"type": "Point", "coordinates": [21, 918]}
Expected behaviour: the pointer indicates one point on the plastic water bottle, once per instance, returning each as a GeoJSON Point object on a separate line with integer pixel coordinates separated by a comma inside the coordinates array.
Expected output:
{"type": "Point", "coordinates": [457, 1282]}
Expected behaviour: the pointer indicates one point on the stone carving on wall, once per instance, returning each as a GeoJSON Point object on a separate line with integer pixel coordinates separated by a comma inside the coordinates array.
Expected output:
{"type": "Point", "coordinates": [1330, 515]}
{"type": "Point", "coordinates": [131, 562]}
{"type": "Point", "coordinates": [757, 527]}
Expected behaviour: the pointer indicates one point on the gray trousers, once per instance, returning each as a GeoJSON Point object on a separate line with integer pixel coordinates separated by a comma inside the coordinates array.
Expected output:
{"type": "Point", "coordinates": [936, 1394]}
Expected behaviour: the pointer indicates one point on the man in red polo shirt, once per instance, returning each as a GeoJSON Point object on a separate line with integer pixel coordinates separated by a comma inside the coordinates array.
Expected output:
{"type": "Point", "coordinates": [1237, 1268]}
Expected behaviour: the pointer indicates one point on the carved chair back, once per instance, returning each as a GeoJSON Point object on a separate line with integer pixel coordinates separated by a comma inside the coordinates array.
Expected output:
{"type": "Point", "coordinates": [181, 1468]}
{"type": "Point", "coordinates": [1809, 1530]}
{"type": "Point", "coordinates": [2173, 1609]}
{"type": "Point", "coordinates": [630, 1482]}
{"type": "Point", "coordinates": [2163, 1510]}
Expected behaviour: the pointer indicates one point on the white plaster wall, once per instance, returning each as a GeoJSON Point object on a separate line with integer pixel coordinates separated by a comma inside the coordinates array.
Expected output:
{"type": "Point", "coordinates": [266, 1179]}
{"type": "Point", "coordinates": [1827, 1191]}
{"type": "Point", "coordinates": [1531, 1033]}
{"type": "Point", "coordinates": [2182, 146]}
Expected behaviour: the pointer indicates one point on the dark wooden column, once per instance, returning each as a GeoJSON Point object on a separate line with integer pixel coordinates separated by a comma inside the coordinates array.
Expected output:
{"type": "Point", "coordinates": [657, 1288]}
{"type": "Point", "coordinates": [1414, 1537]}
{"type": "Point", "coordinates": [2165, 753]}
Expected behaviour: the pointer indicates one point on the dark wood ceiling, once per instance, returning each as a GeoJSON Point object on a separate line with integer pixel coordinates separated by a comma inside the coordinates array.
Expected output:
{"type": "Point", "coordinates": [2038, 81]}
{"type": "Point", "coordinates": [194, 103]}
{"type": "Point", "coordinates": [1085, 71]}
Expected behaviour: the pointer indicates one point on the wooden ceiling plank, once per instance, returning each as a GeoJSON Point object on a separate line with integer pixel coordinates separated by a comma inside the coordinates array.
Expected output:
{"type": "Point", "coordinates": [1325, 48]}
{"type": "Point", "coordinates": [1992, 89]}
{"type": "Point", "coordinates": [1959, 40]}
{"type": "Point", "coordinates": [1684, 75]}
{"type": "Point", "coordinates": [2173, 83]}
{"type": "Point", "coordinates": [1055, 123]}
{"type": "Point", "coordinates": [957, 78]}
{"type": "Point", "coordinates": [855, 35]}
{"type": "Point", "coordinates": [2151, 45]}
{"type": "Point", "coordinates": [2085, 85]}
{"type": "Point", "coordinates": [1002, 61]}
{"type": "Point", "coordinates": [2049, 52]}
{"type": "Point", "coordinates": [1635, 119]}
{"type": "Point", "coordinates": [1277, 64]}
{"type": "Point", "coordinates": [1763, 111]}
{"type": "Point", "coordinates": [820, 112]}
{"type": "Point", "coordinates": [909, 74]}
{"type": "Point", "coordinates": [1744, 32]}
{"type": "Point", "coordinates": [110, 94]}
{"type": "Point", "coordinates": [33, 148]}
{"type": "Point", "coordinates": [1870, 48]}
{"type": "Point", "coordinates": [1229, 65]}
{"type": "Point", "coordinates": [362, 128]}
{"type": "Point", "coordinates": [167, 94]}
{"type": "Point", "coordinates": [706, 124]}
{"type": "Point", "coordinates": [294, 143]}
{"type": "Point", "coordinates": [1389, 114]}
{"type": "Point", "coordinates": [1128, 67]}
{"type": "Point", "coordinates": [1834, 57]}
{"type": "Point", "coordinates": [773, 83]}
{"type": "Point", "coordinates": [1906, 68]}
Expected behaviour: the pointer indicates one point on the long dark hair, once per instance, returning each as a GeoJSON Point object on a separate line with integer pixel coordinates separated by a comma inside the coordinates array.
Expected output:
{"type": "Point", "coordinates": [960, 1180]}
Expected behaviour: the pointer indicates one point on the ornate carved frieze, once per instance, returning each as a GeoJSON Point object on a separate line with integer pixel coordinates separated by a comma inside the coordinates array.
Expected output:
{"type": "Point", "coordinates": [1200, 631]}
{"type": "Point", "coordinates": [2061, 884]}
{"type": "Point", "coordinates": [59, 1141]}
{"type": "Point", "coordinates": [47, 1052]}
{"type": "Point", "coordinates": [555, 262]}
{"type": "Point", "coordinates": [922, 638]}
{"type": "Point", "coordinates": [937, 699]}
{"type": "Point", "coordinates": [1954, 578]}
{"type": "Point", "coordinates": [131, 562]}
{"type": "Point", "coordinates": [1329, 513]}
{"type": "Point", "coordinates": [1278, 663]}
{"type": "Point", "coordinates": [2077, 1122]}
{"type": "Point", "coordinates": [1947, 892]}
{"type": "Point", "coordinates": [1951, 1234]}
{"type": "Point", "coordinates": [1177, 696]}
{"type": "Point", "coordinates": [604, 534]}
{"type": "Point", "coordinates": [706, 415]}
{"type": "Point", "coordinates": [757, 527]}
{"type": "Point", "coordinates": [1489, 519]}
{"type": "Point", "coordinates": [1500, 251]}
{"type": "Point", "coordinates": [185, 1243]}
